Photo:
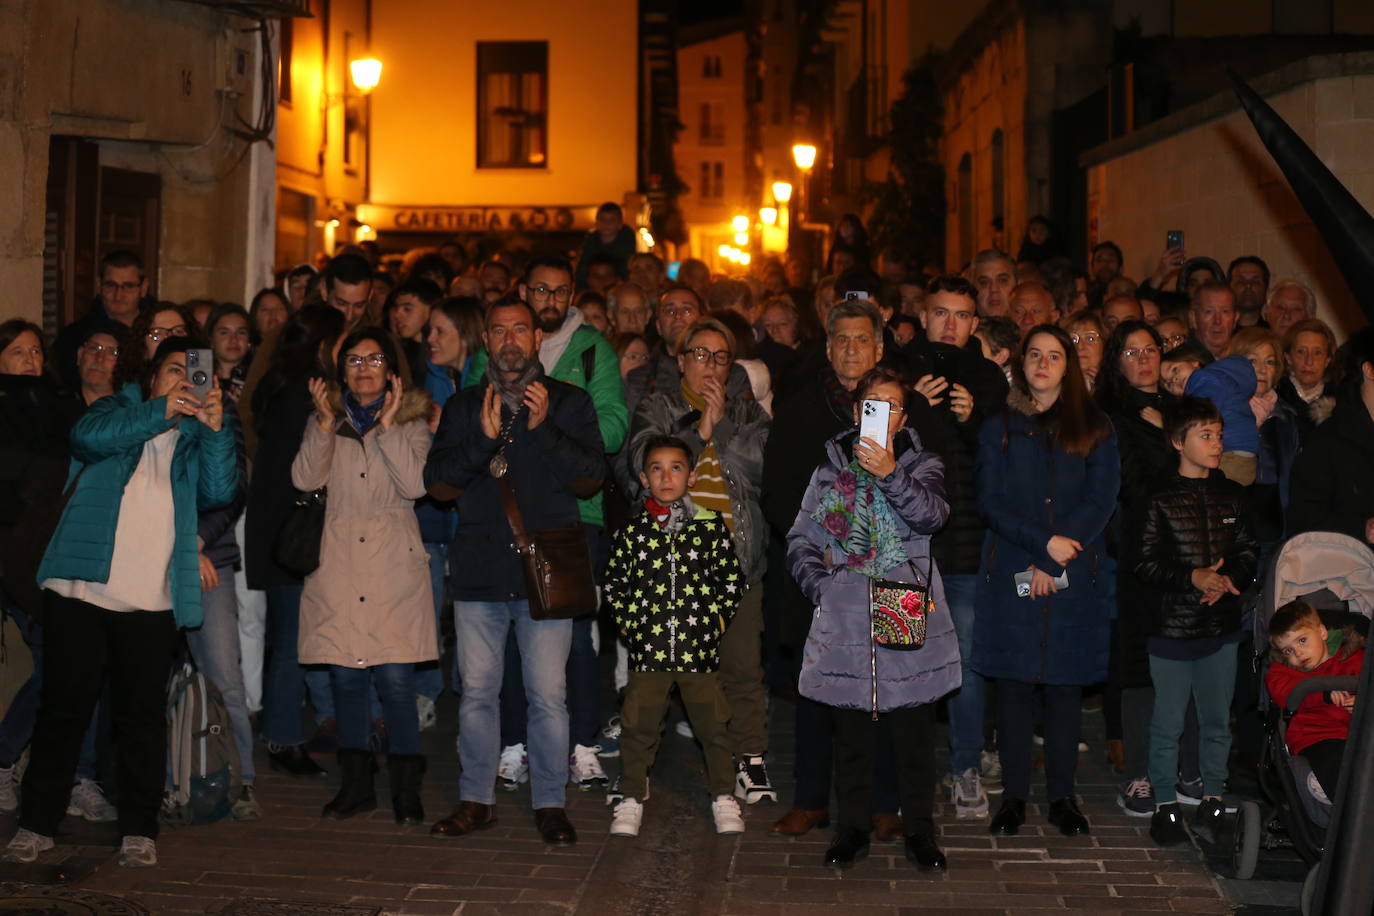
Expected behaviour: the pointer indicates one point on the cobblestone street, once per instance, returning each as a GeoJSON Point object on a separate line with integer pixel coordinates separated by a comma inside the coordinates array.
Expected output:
{"type": "Point", "coordinates": [294, 862]}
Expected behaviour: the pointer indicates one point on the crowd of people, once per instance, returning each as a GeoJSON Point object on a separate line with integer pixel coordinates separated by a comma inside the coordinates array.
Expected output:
{"type": "Point", "coordinates": [1079, 477]}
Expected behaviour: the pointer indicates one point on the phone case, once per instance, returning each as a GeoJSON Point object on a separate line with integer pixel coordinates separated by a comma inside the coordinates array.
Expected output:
{"type": "Point", "coordinates": [873, 419]}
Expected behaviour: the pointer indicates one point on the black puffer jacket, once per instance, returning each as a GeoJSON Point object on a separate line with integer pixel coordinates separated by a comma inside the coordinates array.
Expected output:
{"type": "Point", "coordinates": [1190, 523]}
{"type": "Point", "coordinates": [1332, 484]}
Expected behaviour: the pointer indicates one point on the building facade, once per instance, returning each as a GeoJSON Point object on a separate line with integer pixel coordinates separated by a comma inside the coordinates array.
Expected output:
{"type": "Point", "coordinates": [133, 124]}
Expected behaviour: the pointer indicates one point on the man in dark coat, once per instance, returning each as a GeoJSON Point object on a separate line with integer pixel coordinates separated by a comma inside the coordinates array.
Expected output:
{"type": "Point", "coordinates": [611, 240]}
{"type": "Point", "coordinates": [539, 436]}
{"type": "Point", "coordinates": [963, 388]}
{"type": "Point", "coordinates": [1332, 484]}
{"type": "Point", "coordinates": [123, 292]}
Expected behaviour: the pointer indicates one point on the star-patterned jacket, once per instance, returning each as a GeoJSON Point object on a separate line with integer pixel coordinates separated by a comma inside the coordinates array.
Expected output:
{"type": "Point", "coordinates": [671, 595]}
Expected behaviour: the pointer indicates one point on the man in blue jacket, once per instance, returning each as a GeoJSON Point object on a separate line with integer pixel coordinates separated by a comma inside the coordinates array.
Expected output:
{"type": "Point", "coordinates": [541, 436]}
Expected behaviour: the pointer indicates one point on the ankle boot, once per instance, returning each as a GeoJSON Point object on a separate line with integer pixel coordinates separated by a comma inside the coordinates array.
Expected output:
{"type": "Point", "coordinates": [406, 771]}
{"type": "Point", "coordinates": [357, 792]}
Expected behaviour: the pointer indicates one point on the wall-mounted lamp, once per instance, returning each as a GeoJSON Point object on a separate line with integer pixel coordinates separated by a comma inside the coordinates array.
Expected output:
{"type": "Point", "coordinates": [804, 154]}
{"type": "Point", "coordinates": [366, 73]}
{"type": "Point", "coordinates": [782, 191]}
{"type": "Point", "coordinates": [769, 215]}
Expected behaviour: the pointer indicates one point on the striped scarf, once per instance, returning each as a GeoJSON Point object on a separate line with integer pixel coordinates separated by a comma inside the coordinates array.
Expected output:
{"type": "Point", "coordinates": [710, 490]}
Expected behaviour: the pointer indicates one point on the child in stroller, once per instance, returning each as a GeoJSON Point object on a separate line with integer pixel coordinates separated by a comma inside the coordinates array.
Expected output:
{"type": "Point", "coordinates": [1305, 648]}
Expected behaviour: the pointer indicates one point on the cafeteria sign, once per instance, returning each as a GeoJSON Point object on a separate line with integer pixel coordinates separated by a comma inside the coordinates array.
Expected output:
{"type": "Point", "coordinates": [480, 219]}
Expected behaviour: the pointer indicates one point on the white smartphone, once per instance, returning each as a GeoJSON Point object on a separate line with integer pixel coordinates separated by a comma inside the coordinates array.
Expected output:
{"type": "Point", "coordinates": [873, 417]}
{"type": "Point", "coordinates": [1023, 582]}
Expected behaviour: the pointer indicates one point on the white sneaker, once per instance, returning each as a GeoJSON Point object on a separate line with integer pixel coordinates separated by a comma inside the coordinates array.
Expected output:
{"type": "Point", "coordinates": [614, 795]}
{"type": "Point", "coordinates": [137, 852]}
{"type": "Point", "coordinates": [514, 768]}
{"type": "Point", "coordinates": [751, 781]}
{"type": "Point", "coordinates": [9, 788]}
{"type": "Point", "coordinates": [584, 770]}
{"type": "Point", "coordinates": [626, 817]}
{"type": "Point", "coordinates": [684, 728]}
{"type": "Point", "coordinates": [26, 845]}
{"type": "Point", "coordinates": [424, 706]}
{"type": "Point", "coordinates": [89, 802]}
{"type": "Point", "coordinates": [969, 797]}
{"type": "Point", "coordinates": [725, 811]}
{"type": "Point", "coordinates": [990, 764]}
{"type": "Point", "coordinates": [610, 739]}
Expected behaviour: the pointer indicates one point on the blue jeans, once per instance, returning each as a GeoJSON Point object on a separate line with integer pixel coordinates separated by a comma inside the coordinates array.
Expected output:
{"type": "Point", "coordinates": [17, 727]}
{"type": "Point", "coordinates": [482, 628]}
{"type": "Point", "coordinates": [353, 705]}
{"type": "Point", "coordinates": [966, 703]}
{"type": "Point", "coordinates": [1210, 682]}
{"type": "Point", "coordinates": [429, 676]}
{"type": "Point", "coordinates": [283, 689]}
{"type": "Point", "coordinates": [215, 648]}
{"type": "Point", "coordinates": [584, 690]}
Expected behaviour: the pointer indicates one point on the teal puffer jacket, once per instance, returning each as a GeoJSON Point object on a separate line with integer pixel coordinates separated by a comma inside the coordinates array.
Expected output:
{"type": "Point", "coordinates": [107, 443]}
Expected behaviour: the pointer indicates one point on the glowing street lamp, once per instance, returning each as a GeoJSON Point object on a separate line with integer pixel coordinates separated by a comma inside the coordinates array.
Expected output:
{"type": "Point", "coordinates": [769, 215]}
{"type": "Point", "coordinates": [366, 73]}
{"type": "Point", "coordinates": [724, 251]}
{"type": "Point", "coordinates": [782, 191]}
{"type": "Point", "coordinates": [804, 154]}
{"type": "Point", "coordinates": [741, 238]}
{"type": "Point", "coordinates": [740, 223]}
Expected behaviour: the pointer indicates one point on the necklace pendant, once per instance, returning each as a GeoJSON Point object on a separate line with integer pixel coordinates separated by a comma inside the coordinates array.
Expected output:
{"type": "Point", "coordinates": [498, 465]}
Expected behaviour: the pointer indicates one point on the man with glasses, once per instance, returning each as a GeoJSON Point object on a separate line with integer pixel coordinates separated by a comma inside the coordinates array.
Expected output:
{"type": "Point", "coordinates": [96, 358]}
{"type": "Point", "coordinates": [574, 352]}
{"type": "Point", "coordinates": [122, 293]}
{"type": "Point", "coordinates": [727, 433]}
{"type": "Point", "coordinates": [539, 434]}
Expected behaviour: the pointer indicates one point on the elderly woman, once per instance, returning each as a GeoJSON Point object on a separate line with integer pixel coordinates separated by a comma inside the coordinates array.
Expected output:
{"type": "Point", "coordinates": [1309, 348]}
{"type": "Point", "coordinates": [367, 611]}
{"type": "Point", "coordinates": [1048, 476]}
{"type": "Point", "coordinates": [1089, 337]}
{"type": "Point", "coordinates": [119, 576]}
{"type": "Point", "coordinates": [868, 514]}
{"type": "Point", "coordinates": [726, 434]}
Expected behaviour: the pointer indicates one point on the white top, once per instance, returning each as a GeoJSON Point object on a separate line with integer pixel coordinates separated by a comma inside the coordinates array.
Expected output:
{"type": "Point", "coordinates": [144, 536]}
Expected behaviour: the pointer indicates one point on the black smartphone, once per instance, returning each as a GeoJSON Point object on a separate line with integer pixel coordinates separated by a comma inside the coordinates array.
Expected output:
{"type": "Point", "coordinates": [200, 372]}
{"type": "Point", "coordinates": [1173, 239]}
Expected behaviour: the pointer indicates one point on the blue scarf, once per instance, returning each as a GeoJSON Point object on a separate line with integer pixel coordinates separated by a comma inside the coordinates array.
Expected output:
{"type": "Point", "coordinates": [362, 416]}
{"type": "Point", "coordinates": [856, 515]}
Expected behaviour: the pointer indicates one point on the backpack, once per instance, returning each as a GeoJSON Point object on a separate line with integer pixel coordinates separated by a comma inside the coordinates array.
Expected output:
{"type": "Point", "coordinates": [203, 760]}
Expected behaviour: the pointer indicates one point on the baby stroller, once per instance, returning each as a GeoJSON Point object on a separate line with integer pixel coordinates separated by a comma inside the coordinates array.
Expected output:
{"type": "Point", "coordinates": [1335, 574]}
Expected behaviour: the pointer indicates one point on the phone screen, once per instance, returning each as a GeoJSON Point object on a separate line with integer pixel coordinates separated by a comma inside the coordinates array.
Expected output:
{"type": "Point", "coordinates": [1174, 239]}
{"type": "Point", "coordinates": [873, 417]}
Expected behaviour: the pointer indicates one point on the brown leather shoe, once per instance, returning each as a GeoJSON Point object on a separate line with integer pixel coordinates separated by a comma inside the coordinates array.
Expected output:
{"type": "Point", "coordinates": [466, 818]}
{"type": "Point", "coordinates": [887, 827]}
{"type": "Point", "coordinates": [554, 826]}
{"type": "Point", "coordinates": [1116, 755]}
{"type": "Point", "coordinates": [800, 821]}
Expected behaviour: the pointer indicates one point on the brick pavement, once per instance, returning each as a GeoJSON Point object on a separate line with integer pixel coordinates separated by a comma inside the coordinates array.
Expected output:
{"type": "Point", "coordinates": [677, 865]}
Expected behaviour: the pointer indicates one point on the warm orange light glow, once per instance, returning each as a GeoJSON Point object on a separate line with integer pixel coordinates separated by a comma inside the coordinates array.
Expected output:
{"type": "Point", "coordinates": [366, 73]}
{"type": "Point", "coordinates": [782, 191]}
{"type": "Point", "coordinates": [724, 251]}
{"type": "Point", "coordinates": [741, 238]}
{"type": "Point", "coordinates": [804, 154]}
{"type": "Point", "coordinates": [769, 215]}
{"type": "Point", "coordinates": [740, 223]}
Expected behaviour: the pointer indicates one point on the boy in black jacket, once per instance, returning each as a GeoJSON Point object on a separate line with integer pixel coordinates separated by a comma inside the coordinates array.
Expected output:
{"type": "Point", "coordinates": [673, 583]}
{"type": "Point", "coordinates": [1199, 551]}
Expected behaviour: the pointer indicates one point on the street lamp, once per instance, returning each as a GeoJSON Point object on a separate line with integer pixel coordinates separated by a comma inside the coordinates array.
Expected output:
{"type": "Point", "coordinates": [804, 154]}
{"type": "Point", "coordinates": [769, 215]}
{"type": "Point", "coordinates": [366, 73]}
{"type": "Point", "coordinates": [740, 223]}
{"type": "Point", "coordinates": [782, 191]}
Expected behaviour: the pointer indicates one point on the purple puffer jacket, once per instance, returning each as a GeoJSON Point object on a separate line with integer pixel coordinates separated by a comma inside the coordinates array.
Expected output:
{"type": "Point", "coordinates": [838, 663]}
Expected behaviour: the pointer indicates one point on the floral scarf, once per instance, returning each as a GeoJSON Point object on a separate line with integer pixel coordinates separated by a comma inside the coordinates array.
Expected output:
{"type": "Point", "coordinates": [855, 513]}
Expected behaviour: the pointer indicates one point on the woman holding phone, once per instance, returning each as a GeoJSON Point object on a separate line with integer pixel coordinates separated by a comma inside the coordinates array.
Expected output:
{"type": "Point", "coordinates": [868, 515]}
{"type": "Point", "coordinates": [1047, 477]}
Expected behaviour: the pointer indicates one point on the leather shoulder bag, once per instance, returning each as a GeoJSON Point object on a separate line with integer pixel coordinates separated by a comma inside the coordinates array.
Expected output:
{"type": "Point", "coordinates": [556, 562]}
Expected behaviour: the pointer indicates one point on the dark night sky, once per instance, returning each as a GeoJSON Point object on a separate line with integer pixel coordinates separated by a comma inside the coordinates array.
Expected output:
{"type": "Point", "coordinates": [694, 11]}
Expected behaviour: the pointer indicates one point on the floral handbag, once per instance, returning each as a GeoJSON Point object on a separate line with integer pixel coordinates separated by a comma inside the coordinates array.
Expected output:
{"type": "Point", "coordinates": [898, 610]}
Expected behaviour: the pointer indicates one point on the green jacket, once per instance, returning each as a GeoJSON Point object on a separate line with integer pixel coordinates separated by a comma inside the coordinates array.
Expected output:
{"type": "Point", "coordinates": [607, 393]}
{"type": "Point", "coordinates": [107, 444]}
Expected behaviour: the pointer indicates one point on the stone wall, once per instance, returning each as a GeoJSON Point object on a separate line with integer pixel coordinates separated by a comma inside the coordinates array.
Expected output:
{"type": "Point", "coordinates": [1204, 170]}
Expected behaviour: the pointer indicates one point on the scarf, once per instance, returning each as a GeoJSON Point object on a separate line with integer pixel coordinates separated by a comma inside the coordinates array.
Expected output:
{"type": "Point", "coordinates": [362, 416]}
{"type": "Point", "coordinates": [856, 514]}
{"type": "Point", "coordinates": [512, 391]}
{"type": "Point", "coordinates": [1263, 405]}
{"type": "Point", "coordinates": [555, 342]}
{"type": "Point", "coordinates": [838, 398]}
{"type": "Point", "coordinates": [673, 517]}
{"type": "Point", "coordinates": [711, 490]}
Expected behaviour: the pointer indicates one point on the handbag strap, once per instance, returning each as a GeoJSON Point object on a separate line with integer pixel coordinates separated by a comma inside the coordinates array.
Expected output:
{"type": "Point", "coordinates": [512, 507]}
{"type": "Point", "coordinates": [930, 567]}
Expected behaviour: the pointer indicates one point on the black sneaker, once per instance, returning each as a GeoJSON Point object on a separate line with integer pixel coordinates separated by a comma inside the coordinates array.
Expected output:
{"type": "Point", "coordinates": [1166, 827]}
{"type": "Point", "coordinates": [1209, 817]}
{"type": "Point", "coordinates": [751, 781]}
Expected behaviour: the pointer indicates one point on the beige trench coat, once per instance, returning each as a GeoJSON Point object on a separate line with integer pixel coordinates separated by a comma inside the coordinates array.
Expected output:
{"type": "Point", "coordinates": [369, 602]}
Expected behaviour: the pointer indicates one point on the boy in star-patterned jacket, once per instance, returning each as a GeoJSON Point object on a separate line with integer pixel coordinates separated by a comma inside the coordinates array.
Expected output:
{"type": "Point", "coordinates": [673, 583]}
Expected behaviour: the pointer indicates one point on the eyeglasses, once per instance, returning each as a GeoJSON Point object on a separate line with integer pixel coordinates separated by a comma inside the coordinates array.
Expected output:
{"type": "Point", "coordinates": [159, 334]}
{"type": "Point", "coordinates": [701, 355]}
{"type": "Point", "coordinates": [101, 351]}
{"type": "Point", "coordinates": [1084, 338]}
{"type": "Point", "coordinates": [375, 360]}
{"type": "Point", "coordinates": [636, 357]}
{"type": "Point", "coordinates": [1174, 340]}
{"type": "Point", "coordinates": [1137, 352]}
{"type": "Point", "coordinates": [559, 293]}
{"type": "Point", "coordinates": [110, 286]}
